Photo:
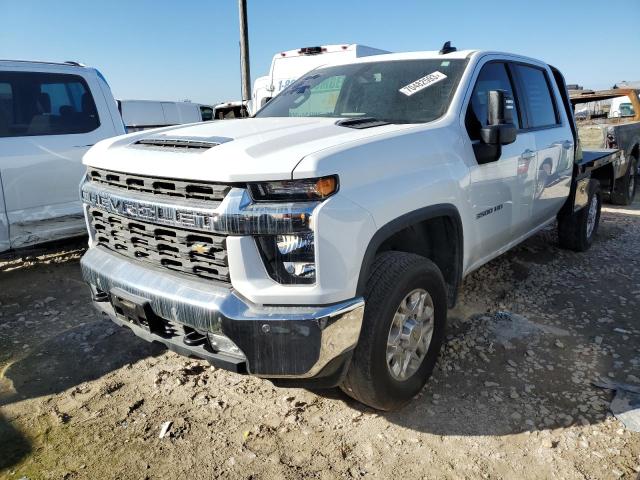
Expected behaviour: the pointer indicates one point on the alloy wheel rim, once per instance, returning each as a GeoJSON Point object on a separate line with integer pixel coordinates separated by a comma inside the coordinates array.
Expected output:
{"type": "Point", "coordinates": [410, 334]}
{"type": "Point", "coordinates": [591, 217]}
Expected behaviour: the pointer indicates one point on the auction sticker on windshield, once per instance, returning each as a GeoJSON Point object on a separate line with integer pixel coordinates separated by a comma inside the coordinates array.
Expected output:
{"type": "Point", "coordinates": [422, 83]}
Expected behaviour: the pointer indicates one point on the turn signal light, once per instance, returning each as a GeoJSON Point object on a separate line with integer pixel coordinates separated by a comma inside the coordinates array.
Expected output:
{"type": "Point", "coordinates": [308, 189]}
{"type": "Point", "coordinates": [326, 186]}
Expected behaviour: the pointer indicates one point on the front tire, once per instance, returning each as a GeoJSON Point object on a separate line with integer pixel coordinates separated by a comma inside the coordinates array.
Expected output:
{"type": "Point", "coordinates": [576, 231]}
{"type": "Point", "coordinates": [402, 331]}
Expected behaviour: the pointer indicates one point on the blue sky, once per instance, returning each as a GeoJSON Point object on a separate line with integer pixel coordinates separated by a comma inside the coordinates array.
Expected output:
{"type": "Point", "coordinates": [173, 50]}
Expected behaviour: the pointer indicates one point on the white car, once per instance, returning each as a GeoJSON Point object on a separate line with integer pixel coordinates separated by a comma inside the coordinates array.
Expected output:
{"type": "Point", "coordinates": [321, 242]}
{"type": "Point", "coordinates": [286, 67]}
{"type": "Point", "coordinates": [50, 114]}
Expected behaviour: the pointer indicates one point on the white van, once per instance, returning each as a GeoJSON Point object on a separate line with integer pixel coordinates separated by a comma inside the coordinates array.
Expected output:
{"type": "Point", "coordinates": [144, 114]}
{"type": "Point", "coordinates": [287, 66]}
{"type": "Point", "coordinates": [50, 114]}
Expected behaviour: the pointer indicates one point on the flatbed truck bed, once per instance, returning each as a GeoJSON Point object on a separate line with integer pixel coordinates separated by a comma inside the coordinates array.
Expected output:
{"type": "Point", "coordinates": [600, 157]}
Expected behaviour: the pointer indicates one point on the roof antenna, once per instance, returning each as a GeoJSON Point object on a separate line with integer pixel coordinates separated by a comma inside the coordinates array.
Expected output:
{"type": "Point", "coordinates": [447, 48]}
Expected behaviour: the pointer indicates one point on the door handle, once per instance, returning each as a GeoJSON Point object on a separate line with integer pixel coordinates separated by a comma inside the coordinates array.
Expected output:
{"type": "Point", "coordinates": [528, 154]}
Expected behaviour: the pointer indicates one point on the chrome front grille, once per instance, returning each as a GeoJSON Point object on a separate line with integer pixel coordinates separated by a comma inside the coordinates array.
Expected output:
{"type": "Point", "coordinates": [211, 192]}
{"type": "Point", "coordinates": [198, 254]}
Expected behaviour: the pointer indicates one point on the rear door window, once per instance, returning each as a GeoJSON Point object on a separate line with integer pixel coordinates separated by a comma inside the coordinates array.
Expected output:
{"type": "Point", "coordinates": [536, 97]}
{"type": "Point", "coordinates": [33, 103]}
{"type": "Point", "coordinates": [206, 113]}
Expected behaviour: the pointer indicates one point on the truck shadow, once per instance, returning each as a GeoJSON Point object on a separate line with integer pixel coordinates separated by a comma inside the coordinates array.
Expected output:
{"type": "Point", "coordinates": [71, 358]}
{"type": "Point", "coordinates": [81, 354]}
{"type": "Point", "coordinates": [13, 445]}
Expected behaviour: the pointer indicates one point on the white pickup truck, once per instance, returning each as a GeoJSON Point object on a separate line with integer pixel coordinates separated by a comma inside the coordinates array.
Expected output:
{"type": "Point", "coordinates": [50, 114]}
{"type": "Point", "coordinates": [321, 242]}
{"type": "Point", "coordinates": [147, 114]}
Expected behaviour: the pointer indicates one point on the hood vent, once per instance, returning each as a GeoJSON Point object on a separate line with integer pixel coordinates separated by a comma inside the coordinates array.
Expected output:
{"type": "Point", "coordinates": [176, 144]}
{"type": "Point", "coordinates": [361, 122]}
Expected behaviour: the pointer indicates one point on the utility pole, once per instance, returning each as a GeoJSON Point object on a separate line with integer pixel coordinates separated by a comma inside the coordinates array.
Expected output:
{"type": "Point", "coordinates": [244, 51]}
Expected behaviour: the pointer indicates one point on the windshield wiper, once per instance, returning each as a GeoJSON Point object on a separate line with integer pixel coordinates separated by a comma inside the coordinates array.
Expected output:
{"type": "Point", "coordinates": [361, 122]}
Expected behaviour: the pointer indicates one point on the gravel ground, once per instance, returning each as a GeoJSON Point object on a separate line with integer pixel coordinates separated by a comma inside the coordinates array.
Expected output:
{"type": "Point", "coordinates": [511, 396]}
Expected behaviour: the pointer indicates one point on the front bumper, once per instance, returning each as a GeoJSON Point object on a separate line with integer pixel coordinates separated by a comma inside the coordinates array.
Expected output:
{"type": "Point", "coordinates": [285, 342]}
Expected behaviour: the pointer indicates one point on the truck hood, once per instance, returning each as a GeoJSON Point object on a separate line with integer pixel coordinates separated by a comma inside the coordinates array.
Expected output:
{"type": "Point", "coordinates": [226, 150]}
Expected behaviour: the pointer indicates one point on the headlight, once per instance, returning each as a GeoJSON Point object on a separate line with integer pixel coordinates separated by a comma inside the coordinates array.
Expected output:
{"type": "Point", "coordinates": [290, 259]}
{"type": "Point", "coordinates": [308, 189]}
{"type": "Point", "coordinates": [289, 255]}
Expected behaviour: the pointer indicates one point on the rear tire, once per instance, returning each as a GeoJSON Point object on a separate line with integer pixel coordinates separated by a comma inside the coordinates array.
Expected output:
{"type": "Point", "coordinates": [373, 378]}
{"type": "Point", "coordinates": [624, 189]}
{"type": "Point", "coordinates": [577, 230]}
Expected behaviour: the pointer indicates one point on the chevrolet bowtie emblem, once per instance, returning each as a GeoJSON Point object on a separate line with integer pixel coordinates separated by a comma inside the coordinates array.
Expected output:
{"type": "Point", "coordinates": [199, 248]}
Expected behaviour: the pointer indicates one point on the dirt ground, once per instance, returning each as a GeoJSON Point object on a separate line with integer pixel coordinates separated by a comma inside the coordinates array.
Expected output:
{"type": "Point", "coordinates": [511, 396]}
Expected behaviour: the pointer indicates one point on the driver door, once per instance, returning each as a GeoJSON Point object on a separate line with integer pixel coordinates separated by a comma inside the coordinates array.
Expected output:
{"type": "Point", "coordinates": [500, 191]}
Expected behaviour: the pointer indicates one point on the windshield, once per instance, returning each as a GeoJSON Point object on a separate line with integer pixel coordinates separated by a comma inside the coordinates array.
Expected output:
{"type": "Point", "coordinates": [626, 110]}
{"type": "Point", "coordinates": [398, 91]}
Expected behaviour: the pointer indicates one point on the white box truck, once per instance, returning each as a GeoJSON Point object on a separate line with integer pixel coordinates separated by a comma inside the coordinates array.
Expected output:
{"type": "Point", "coordinates": [288, 66]}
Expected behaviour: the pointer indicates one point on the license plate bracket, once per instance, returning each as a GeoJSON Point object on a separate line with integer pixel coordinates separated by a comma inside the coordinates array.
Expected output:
{"type": "Point", "coordinates": [132, 308]}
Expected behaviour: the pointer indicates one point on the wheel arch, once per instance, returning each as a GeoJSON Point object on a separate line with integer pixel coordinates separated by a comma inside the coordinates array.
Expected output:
{"type": "Point", "coordinates": [547, 161]}
{"type": "Point", "coordinates": [606, 176]}
{"type": "Point", "coordinates": [424, 231]}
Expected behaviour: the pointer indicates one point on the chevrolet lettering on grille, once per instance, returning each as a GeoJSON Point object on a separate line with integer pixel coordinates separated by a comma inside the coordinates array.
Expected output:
{"type": "Point", "coordinates": [199, 219]}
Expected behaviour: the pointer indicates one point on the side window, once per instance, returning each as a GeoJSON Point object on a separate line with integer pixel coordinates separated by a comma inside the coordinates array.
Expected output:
{"type": "Point", "coordinates": [536, 97]}
{"type": "Point", "coordinates": [493, 76]}
{"type": "Point", "coordinates": [206, 113]}
{"type": "Point", "coordinates": [45, 104]}
{"type": "Point", "coordinates": [626, 110]}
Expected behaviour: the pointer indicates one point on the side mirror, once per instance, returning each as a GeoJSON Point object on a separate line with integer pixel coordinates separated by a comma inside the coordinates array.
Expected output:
{"type": "Point", "coordinates": [500, 129]}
